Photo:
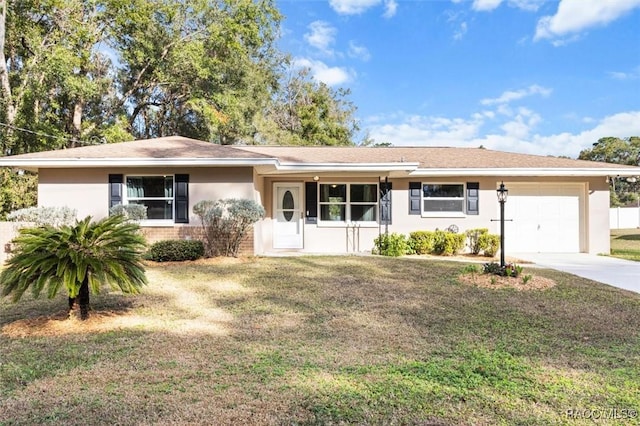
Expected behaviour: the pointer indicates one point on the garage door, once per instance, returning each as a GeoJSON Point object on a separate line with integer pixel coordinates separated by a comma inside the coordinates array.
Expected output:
{"type": "Point", "coordinates": [546, 218]}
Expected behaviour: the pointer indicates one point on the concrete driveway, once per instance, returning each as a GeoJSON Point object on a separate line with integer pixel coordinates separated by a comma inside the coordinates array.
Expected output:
{"type": "Point", "coordinates": [619, 273]}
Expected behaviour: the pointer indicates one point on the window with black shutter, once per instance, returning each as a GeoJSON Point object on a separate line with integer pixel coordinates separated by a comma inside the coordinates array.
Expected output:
{"type": "Point", "coordinates": [182, 198]}
{"type": "Point", "coordinates": [385, 203]}
{"type": "Point", "coordinates": [415, 197]}
{"type": "Point", "coordinates": [115, 190]}
{"type": "Point", "coordinates": [311, 202]}
{"type": "Point", "coordinates": [473, 197]}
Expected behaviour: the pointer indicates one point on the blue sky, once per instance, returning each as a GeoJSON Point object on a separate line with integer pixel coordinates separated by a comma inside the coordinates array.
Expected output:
{"type": "Point", "coordinates": [532, 76]}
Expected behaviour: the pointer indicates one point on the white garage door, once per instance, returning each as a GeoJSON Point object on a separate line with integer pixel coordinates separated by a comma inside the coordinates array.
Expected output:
{"type": "Point", "coordinates": [546, 218]}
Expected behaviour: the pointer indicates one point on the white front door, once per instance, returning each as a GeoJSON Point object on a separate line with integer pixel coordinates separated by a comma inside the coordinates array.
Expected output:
{"type": "Point", "coordinates": [287, 215]}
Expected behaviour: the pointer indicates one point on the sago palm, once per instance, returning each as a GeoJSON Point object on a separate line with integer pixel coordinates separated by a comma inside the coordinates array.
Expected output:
{"type": "Point", "coordinates": [80, 258]}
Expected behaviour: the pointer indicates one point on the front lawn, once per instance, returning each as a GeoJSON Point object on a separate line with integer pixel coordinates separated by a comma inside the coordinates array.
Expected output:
{"type": "Point", "coordinates": [325, 340]}
{"type": "Point", "coordinates": [625, 244]}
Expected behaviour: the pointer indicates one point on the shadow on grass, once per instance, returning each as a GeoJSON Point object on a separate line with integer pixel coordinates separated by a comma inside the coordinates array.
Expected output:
{"type": "Point", "coordinates": [57, 308]}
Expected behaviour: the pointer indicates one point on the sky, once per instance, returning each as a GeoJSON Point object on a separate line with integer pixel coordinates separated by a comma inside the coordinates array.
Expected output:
{"type": "Point", "coordinates": [546, 77]}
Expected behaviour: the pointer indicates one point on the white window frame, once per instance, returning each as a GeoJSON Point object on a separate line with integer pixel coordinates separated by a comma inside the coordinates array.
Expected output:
{"type": "Point", "coordinates": [348, 203]}
{"type": "Point", "coordinates": [462, 213]}
{"type": "Point", "coordinates": [152, 222]}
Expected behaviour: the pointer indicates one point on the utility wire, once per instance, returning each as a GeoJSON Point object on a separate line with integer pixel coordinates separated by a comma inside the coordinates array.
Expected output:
{"type": "Point", "coordinates": [46, 135]}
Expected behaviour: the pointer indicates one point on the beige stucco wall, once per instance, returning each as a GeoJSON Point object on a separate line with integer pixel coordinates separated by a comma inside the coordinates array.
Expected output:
{"type": "Point", "coordinates": [594, 214]}
{"type": "Point", "coordinates": [597, 216]}
{"type": "Point", "coordinates": [87, 190]}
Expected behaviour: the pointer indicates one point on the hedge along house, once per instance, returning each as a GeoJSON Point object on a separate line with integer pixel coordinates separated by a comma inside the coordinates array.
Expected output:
{"type": "Point", "coordinates": [336, 199]}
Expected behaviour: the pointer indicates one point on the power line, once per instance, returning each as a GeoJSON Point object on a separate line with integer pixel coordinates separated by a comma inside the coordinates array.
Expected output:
{"type": "Point", "coordinates": [46, 135]}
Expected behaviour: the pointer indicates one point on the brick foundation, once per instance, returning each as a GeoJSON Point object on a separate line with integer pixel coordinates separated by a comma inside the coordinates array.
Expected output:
{"type": "Point", "coordinates": [9, 230]}
{"type": "Point", "coordinates": [158, 233]}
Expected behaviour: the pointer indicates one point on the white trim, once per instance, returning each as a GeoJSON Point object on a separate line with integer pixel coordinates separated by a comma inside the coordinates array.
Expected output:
{"type": "Point", "coordinates": [411, 169]}
{"type": "Point", "coordinates": [347, 207]}
{"type": "Point", "coordinates": [155, 223]}
{"type": "Point", "coordinates": [346, 167]}
{"type": "Point", "coordinates": [152, 222]}
{"type": "Point", "coordinates": [525, 172]}
{"type": "Point", "coordinates": [457, 214]}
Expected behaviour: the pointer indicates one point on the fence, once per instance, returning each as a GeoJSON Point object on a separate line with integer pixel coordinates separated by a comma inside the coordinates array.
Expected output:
{"type": "Point", "coordinates": [624, 217]}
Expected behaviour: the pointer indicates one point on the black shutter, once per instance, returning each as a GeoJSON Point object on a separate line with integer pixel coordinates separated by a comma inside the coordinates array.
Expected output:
{"type": "Point", "coordinates": [115, 190]}
{"type": "Point", "coordinates": [473, 196]}
{"type": "Point", "coordinates": [415, 197]}
{"type": "Point", "coordinates": [385, 203]}
{"type": "Point", "coordinates": [182, 198]}
{"type": "Point", "coordinates": [311, 202]}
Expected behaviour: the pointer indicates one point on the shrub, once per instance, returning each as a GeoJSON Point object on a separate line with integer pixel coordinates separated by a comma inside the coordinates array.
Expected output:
{"type": "Point", "coordinates": [421, 242]}
{"type": "Point", "coordinates": [476, 244]}
{"type": "Point", "coordinates": [490, 243]}
{"type": "Point", "coordinates": [225, 223]}
{"type": "Point", "coordinates": [470, 269]}
{"type": "Point", "coordinates": [509, 270]}
{"type": "Point", "coordinates": [42, 216]}
{"type": "Point", "coordinates": [391, 245]}
{"type": "Point", "coordinates": [175, 250]}
{"type": "Point", "coordinates": [448, 243]}
{"type": "Point", "coordinates": [492, 268]}
{"type": "Point", "coordinates": [135, 212]}
{"type": "Point", "coordinates": [81, 259]}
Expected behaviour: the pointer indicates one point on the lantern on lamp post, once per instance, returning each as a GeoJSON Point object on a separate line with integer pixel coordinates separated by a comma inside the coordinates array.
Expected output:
{"type": "Point", "coordinates": [502, 193]}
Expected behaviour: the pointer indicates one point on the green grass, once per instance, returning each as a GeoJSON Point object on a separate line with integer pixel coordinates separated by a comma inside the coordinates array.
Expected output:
{"type": "Point", "coordinates": [625, 244]}
{"type": "Point", "coordinates": [324, 340]}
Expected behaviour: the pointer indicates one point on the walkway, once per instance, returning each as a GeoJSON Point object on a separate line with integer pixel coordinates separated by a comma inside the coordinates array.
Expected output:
{"type": "Point", "coordinates": [624, 274]}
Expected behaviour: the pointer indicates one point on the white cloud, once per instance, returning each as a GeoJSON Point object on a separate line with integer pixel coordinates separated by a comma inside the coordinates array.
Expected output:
{"type": "Point", "coordinates": [331, 76]}
{"type": "Point", "coordinates": [321, 36]}
{"type": "Point", "coordinates": [357, 51]}
{"type": "Point", "coordinates": [485, 5]}
{"type": "Point", "coordinates": [510, 96]}
{"type": "Point", "coordinates": [352, 7]}
{"type": "Point", "coordinates": [434, 131]}
{"type": "Point", "coordinates": [575, 16]}
{"type": "Point", "coordinates": [515, 137]}
{"type": "Point", "coordinates": [489, 5]}
{"type": "Point", "coordinates": [390, 8]}
{"type": "Point", "coordinates": [521, 125]}
{"type": "Point", "coordinates": [625, 75]}
{"type": "Point", "coordinates": [356, 7]}
{"type": "Point", "coordinates": [529, 5]}
{"type": "Point", "coordinates": [460, 32]}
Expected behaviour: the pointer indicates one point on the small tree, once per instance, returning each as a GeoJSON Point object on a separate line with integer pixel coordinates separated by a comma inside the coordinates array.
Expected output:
{"type": "Point", "coordinates": [135, 212]}
{"type": "Point", "coordinates": [476, 243]}
{"type": "Point", "coordinates": [41, 216]}
{"type": "Point", "coordinates": [80, 258]}
{"type": "Point", "coordinates": [225, 223]}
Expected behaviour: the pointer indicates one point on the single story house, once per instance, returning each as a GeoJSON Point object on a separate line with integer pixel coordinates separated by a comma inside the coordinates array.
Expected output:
{"type": "Point", "coordinates": [337, 199]}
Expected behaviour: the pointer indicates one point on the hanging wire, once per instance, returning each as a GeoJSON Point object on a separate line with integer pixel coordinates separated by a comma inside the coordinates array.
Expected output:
{"type": "Point", "coordinates": [46, 135]}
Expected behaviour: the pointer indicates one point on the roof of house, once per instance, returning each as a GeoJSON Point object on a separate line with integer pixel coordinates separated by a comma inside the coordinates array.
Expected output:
{"type": "Point", "coordinates": [165, 147]}
{"type": "Point", "coordinates": [425, 157]}
{"type": "Point", "coordinates": [415, 161]}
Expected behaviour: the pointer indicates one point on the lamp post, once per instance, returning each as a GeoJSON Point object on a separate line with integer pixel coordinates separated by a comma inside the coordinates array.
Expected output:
{"type": "Point", "coordinates": [502, 198]}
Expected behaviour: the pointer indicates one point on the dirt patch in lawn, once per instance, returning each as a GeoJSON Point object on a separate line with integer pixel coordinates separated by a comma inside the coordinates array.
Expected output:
{"type": "Point", "coordinates": [498, 282]}
{"type": "Point", "coordinates": [61, 323]}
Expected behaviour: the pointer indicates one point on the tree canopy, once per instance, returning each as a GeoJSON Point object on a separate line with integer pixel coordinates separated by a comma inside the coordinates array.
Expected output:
{"type": "Point", "coordinates": [619, 151]}
{"type": "Point", "coordinates": [76, 72]}
{"type": "Point", "coordinates": [82, 72]}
